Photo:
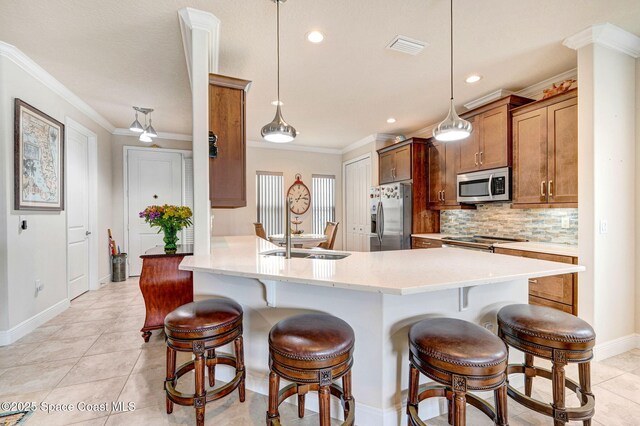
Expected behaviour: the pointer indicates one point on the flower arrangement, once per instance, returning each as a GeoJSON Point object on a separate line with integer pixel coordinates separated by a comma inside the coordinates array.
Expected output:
{"type": "Point", "coordinates": [170, 219]}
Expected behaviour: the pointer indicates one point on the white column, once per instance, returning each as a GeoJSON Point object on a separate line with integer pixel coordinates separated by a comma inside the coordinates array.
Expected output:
{"type": "Point", "coordinates": [200, 35]}
{"type": "Point", "coordinates": [606, 163]}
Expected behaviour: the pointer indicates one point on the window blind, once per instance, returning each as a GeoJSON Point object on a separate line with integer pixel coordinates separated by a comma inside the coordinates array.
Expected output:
{"type": "Point", "coordinates": [270, 201]}
{"type": "Point", "coordinates": [323, 201]}
{"type": "Point", "coordinates": [188, 196]}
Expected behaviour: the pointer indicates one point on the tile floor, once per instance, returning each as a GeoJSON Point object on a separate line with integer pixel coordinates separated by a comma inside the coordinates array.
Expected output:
{"type": "Point", "coordinates": [93, 352]}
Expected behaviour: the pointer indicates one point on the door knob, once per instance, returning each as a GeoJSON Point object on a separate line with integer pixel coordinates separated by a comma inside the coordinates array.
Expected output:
{"type": "Point", "coordinates": [87, 233]}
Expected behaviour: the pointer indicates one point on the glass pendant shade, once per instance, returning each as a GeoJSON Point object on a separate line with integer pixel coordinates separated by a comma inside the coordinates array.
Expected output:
{"type": "Point", "coordinates": [452, 128]}
{"type": "Point", "coordinates": [278, 130]}
{"type": "Point", "coordinates": [145, 138]}
{"type": "Point", "coordinates": [150, 131]}
{"type": "Point", "coordinates": [136, 126]}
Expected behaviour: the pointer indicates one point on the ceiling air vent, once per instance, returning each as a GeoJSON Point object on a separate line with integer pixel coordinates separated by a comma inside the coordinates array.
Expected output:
{"type": "Point", "coordinates": [407, 45]}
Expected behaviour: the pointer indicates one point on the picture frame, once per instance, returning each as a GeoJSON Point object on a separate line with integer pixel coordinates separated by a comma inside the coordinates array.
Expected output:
{"type": "Point", "coordinates": [39, 158]}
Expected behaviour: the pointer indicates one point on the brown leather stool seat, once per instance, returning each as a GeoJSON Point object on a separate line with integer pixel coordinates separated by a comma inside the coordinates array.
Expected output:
{"type": "Point", "coordinates": [201, 327]}
{"type": "Point", "coordinates": [311, 350]}
{"type": "Point", "coordinates": [557, 336]}
{"type": "Point", "coordinates": [460, 356]}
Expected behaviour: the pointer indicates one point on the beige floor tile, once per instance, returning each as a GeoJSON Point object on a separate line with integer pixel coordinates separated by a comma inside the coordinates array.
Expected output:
{"type": "Point", "coordinates": [74, 315]}
{"type": "Point", "coordinates": [612, 410]}
{"type": "Point", "coordinates": [155, 358]}
{"type": "Point", "coordinates": [99, 392]}
{"type": "Point", "coordinates": [99, 367]}
{"type": "Point", "coordinates": [145, 389]}
{"type": "Point", "coordinates": [30, 397]}
{"type": "Point", "coordinates": [626, 386]}
{"type": "Point", "coordinates": [126, 323]}
{"type": "Point", "coordinates": [83, 304]}
{"type": "Point", "coordinates": [133, 311]}
{"type": "Point", "coordinates": [40, 334]}
{"type": "Point", "coordinates": [34, 377]}
{"type": "Point", "coordinates": [16, 354]}
{"type": "Point", "coordinates": [53, 350]}
{"type": "Point", "coordinates": [93, 422]}
{"type": "Point", "coordinates": [123, 340]}
{"type": "Point", "coordinates": [81, 329]}
{"type": "Point", "coordinates": [628, 361]}
{"type": "Point", "coordinates": [108, 302]}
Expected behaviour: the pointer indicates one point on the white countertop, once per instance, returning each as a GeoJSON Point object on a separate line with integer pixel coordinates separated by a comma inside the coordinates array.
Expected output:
{"type": "Point", "coordinates": [392, 272]}
{"type": "Point", "coordinates": [432, 236]}
{"type": "Point", "coordinates": [548, 248]}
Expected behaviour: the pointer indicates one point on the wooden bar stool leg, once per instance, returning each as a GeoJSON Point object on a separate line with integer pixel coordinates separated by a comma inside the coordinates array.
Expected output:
{"type": "Point", "coordinates": [500, 397]}
{"type": "Point", "coordinates": [324, 397]}
{"type": "Point", "coordinates": [302, 392]}
{"type": "Point", "coordinates": [239, 346]}
{"type": "Point", "coordinates": [200, 396]}
{"type": "Point", "coordinates": [346, 389]}
{"type": "Point", "coordinates": [558, 377]}
{"type": "Point", "coordinates": [171, 373]}
{"type": "Point", "coordinates": [414, 377]}
{"type": "Point", "coordinates": [274, 387]}
{"type": "Point", "coordinates": [450, 410]}
{"type": "Point", "coordinates": [529, 374]}
{"type": "Point", "coordinates": [459, 408]}
{"type": "Point", "coordinates": [211, 363]}
{"type": "Point", "coordinates": [584, 374]}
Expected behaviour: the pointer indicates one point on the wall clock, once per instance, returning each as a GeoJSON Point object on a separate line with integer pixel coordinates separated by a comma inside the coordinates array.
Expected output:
{"type": "Point", "coordinates": [299, 197]}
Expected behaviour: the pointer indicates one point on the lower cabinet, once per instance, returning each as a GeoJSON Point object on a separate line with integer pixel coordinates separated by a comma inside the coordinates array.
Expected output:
{"type": "Point", "coordinates": [422, 243]}
{"type": "Point", "coordinates": [558, 291]}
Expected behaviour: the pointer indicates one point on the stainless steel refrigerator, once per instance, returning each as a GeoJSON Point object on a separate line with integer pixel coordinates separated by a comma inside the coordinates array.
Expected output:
{"type": "Point", "coordinates": [390, 209]}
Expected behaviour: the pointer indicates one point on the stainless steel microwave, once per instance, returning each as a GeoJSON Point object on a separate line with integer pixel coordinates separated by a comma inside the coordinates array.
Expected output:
{"type": "Point", "coordinates": [485, 186]}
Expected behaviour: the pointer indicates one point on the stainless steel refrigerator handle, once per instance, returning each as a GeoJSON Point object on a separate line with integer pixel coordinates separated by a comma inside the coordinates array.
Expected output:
{"type": "Point", "coordinates": [381, 222]}
{"type": "Point", "coordinates": [378, 220]}
{"type": "Point", "coordinates": [490, 179]}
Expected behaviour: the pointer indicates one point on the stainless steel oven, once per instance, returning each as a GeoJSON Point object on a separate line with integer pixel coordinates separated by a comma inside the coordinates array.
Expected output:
{"type": "Point", "coordinates": [485, 186]}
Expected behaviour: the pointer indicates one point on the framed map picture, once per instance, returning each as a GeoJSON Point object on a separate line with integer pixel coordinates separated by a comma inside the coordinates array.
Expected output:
{"type": "Point", "coordinates": [39, 160]}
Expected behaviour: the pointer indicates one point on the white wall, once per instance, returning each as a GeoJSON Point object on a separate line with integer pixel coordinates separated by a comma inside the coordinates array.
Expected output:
{"type": "Point", "coordinates": [606, 117]}
{"type": "Point", "coordinates": [637, 198]}
{"type": "Point", "coordinates": [240, 221]}
{"type": "Point", "coordinates": [117, 144]}
{"type": "Point", "coordinates": [40, 251]}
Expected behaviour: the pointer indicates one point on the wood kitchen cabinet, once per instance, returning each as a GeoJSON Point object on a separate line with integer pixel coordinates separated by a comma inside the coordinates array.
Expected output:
{"type": "Point", "coordinates": [409, 161]}
{"type": "Point", "coordinates": [545, 153]}
{"type": "Point", "coordinates": [443, 171]}
{"type": "Point", "coordinates": [489, 145]}
{"type": "Point", "coordinates": [558, 291]}
{"type": "Point", "coordinates": [227, 172]}
{"type": "Point", "coordinates": [422, 243]}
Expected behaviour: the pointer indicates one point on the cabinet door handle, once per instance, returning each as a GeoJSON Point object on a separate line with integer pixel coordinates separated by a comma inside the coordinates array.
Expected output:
{"type": "Point", "coordinates": [443, 195]}
{"type": "Point", "coordinates": [549, 188]}
{"type": "Point", "coordinates": [542, 194]}
{"type": "Point", "coordinates": [476, 159]}
{"type": "Point", "coordinates": [481, 157]}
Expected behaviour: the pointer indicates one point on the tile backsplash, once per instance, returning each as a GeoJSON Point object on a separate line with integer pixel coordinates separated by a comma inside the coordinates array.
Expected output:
{"type": "Point", "coordinates": [499, 219]}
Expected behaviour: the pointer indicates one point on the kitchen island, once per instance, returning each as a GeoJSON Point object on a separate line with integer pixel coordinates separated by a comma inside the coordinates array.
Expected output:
{"type": "Point", "coordinates": [380, 294]}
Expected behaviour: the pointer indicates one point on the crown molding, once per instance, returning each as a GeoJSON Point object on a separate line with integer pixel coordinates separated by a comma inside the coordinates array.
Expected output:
{"type": "Point", "coordinates": [193, 19]}
{"type": "Point", "coordinates": [375, 137]}
{"type": "Point", "coordinates": [36, 71]}
{"type": "Point", "coordinates": [289, 147]}
{"type": "Point", "coordinates": [536, 89]}
{"type": "Point", "coordinates": [161, 135]}
{"type": "Point", "coordinates": [607, 35]}
{"type": "Point", "coordinates": [489, 97]}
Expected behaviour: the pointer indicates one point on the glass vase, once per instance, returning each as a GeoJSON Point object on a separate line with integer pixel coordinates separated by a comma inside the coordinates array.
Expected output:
{"type": "Point", "coordinates": [170, 239]}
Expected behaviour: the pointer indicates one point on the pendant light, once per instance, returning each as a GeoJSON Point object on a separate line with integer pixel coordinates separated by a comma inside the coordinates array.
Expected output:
{"type": "Point", "coordinates": [278, 130]}
{"type": "Point", "coordinates": [147, 131]}
{"type": "Point", "coordinates": [453, 128]}
{"type": "Point", "coordinates": [136, 126]}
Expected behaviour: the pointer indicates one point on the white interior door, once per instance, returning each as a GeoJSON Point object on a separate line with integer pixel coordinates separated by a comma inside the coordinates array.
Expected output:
{"type": "Point", "coordinates": [152, 178]}
{"type": "Point", "coordinates": [78, 232]}
{"type": "Point", "coordinates": [357, 184]}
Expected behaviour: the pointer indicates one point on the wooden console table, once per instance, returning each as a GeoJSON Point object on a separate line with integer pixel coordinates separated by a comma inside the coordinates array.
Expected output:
{"type": "Point", "coordinates": [163, 286]}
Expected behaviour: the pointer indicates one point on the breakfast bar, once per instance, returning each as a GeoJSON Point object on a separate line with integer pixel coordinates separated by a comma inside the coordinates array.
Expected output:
{"type": "Point", "coordinates": [379, 294]}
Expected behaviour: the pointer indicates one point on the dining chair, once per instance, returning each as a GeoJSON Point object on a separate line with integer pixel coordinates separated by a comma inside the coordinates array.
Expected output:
{"type": "Point", "coordinates": [330, 231]}
{"type": "Point", "coordinates": [260, 232]}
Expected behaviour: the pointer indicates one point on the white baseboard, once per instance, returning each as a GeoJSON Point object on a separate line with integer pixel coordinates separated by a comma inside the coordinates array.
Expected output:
{"type": "Point", "coordinates": [27, 326]}
{"type": "Point", "coordinates": [616, 347]}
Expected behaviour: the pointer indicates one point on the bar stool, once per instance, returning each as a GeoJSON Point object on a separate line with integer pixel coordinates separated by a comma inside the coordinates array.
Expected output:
{"type": "Point", "coordinates": [459, 356]}
{"type": "Point", "coordinates": [557, 336]}
{"type": "Point", "coordinates": [311, 351]}
{"type": "Point", "coordinates": [201, 327]}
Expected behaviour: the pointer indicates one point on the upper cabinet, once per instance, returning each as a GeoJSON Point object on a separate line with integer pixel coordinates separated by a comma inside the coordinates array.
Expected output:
{"type": "Point", "coordinates": [395, 163]}
{"type": "Point", "coordinates": [227, 171]}
{"type": "Point", "coordinates": [545, 153]}
{"type": "Point", "coordinates": [443, 171]}
{"type": "Point", "coordinates": [489, 145]}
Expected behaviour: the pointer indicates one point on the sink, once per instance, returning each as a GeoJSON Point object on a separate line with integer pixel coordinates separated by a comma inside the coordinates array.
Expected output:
{"type": "Point", "coordinates": [307, 254]}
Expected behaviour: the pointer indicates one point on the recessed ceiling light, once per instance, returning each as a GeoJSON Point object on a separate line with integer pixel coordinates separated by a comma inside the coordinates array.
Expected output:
{"type": "Point", "coordinates": [276, 103]}
{"type": "Point", "coordinates": [391, 120]}
{"type": "Point", "coordinates": [315, 37]}
{"type": "Point", "coordinates": [473, 78]}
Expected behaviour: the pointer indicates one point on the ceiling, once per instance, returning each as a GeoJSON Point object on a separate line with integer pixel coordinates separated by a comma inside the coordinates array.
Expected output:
{"type": "Point", "coordinates": [118, 53]}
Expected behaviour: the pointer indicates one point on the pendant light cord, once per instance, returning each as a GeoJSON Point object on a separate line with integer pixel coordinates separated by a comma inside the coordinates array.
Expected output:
{"type": "Point", "coordinates": [278, 42]}
{"type": "Point", "coordinates": [451, 54]}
